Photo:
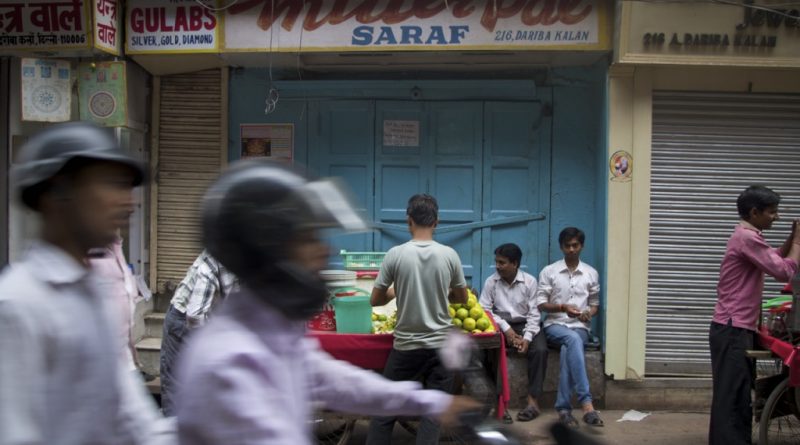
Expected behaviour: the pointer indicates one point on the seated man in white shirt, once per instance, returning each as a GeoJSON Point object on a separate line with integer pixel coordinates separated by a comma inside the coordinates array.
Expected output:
{"type": "Point", "coordinates": [569, 293]}
{"type": "Point", "coordinates": [509, 295]}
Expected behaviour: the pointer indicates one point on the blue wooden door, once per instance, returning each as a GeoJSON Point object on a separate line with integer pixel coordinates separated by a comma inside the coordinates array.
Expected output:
{"type": "Point", "coordinates": [435, 148]}
{"type": "Point", "coordinates": [516, 178]}
{"type": "Point", "coordinates": [341, 138]}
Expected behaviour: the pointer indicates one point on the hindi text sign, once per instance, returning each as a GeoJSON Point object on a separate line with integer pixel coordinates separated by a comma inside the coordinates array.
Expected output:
{"type": "Point", "coordinates": [106, 26]}
{"type": "Point", "coordinates": [40, 25]}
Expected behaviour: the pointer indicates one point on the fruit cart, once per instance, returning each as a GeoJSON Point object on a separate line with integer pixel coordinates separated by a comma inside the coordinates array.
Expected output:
{"type": "Point", "coordinates": [370, 351]}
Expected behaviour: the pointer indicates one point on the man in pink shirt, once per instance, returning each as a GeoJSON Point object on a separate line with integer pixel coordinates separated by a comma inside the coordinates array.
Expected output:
{"type": "Point", "coordinates": [741, 281]}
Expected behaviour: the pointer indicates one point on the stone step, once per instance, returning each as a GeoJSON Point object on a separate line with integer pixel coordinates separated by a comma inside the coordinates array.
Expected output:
{"type": "Point", "coordinates": [518, 378]}
{"type": "Point", "coordinates": [149, 351]}
{"type": "Point", "coordinates": [154, 323]}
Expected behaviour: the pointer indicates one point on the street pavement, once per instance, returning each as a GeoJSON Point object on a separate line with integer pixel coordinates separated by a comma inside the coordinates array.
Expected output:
{"type": "Point", "coordinates": [660, 428]}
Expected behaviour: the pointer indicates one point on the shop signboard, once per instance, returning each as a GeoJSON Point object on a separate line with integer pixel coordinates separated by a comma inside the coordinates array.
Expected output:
{"type": "Point", "coordinates": [367, 25]}
{"type": "Point", "coordinates": [177, 26]}
{"type": "Point", "coordinates": [107, 35]}
{"type": "Point", "coordinates": [709, 34]}
{"type": "Point", "coordinates": [45, 25]}
{"type": "Point", "coordinates": [102, 92]}
{"type": "Point", "coordinates": [46, 89]}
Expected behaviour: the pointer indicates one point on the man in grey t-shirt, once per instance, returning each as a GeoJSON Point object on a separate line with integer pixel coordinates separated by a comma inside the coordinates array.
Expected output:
{"type": "Point", "coordinates": [426, 276]}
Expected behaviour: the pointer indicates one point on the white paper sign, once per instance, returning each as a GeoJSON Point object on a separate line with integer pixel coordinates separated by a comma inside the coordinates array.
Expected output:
{"type": "Point", "coordinates": [46, 90]}
{"type": "Point", "coordinates": [400, 133]}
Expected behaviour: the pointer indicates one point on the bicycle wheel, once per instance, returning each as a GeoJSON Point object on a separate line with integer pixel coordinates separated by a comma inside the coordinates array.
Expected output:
{"type": "Point", "coordinates": [332, 430]}
{"type": "Point", "coordinates": [779, 423]}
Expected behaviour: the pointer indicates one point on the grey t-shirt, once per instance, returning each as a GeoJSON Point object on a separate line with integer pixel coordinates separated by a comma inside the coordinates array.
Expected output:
{"type": "Point", "coordinates": [423, 272]}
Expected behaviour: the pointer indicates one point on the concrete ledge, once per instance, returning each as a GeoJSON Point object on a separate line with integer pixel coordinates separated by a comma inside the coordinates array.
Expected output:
{"type": "Point", "coordinates": [688, 394]}
{"type": "Point", "coordinates": [518, 379]}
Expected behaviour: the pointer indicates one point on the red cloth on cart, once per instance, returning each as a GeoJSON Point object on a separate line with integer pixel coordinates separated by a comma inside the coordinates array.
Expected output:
{"type": "Point", "coordinates": [786, 351]}
{"type": "Point", "coordinates": [370, 351]}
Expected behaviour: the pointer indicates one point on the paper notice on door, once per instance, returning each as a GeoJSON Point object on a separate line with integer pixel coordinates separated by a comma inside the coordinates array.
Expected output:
{"type": "Point", "coordinates": [400, 133]}
{"type": "Point", "coordinates": [274, 141]}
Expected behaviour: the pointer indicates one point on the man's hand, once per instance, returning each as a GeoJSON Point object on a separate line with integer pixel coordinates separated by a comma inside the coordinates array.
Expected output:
{"type": "Point", "coordinates": [572, 310]}
{"type": "Point", "coordinates": [459, 405]}
{"type": "Point", "coordinates": [796, 231]}
{"type": "Point", "coordinates": [512, 338]}
{"type": "Point", "coordinates": [522, 348]}
{"type": "Point", "coordinates": [585, 316]}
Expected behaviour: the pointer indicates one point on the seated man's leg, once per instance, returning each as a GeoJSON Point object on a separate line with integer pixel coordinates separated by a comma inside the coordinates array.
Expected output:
{"type": "Point", "coordinates": [577, 366]}
{"type": "Point", "coordinates": [563, 336]}
{"type": "Point", "coordinates": [401, 365]}
{"type": "Point", "coordinates": [537, 367]}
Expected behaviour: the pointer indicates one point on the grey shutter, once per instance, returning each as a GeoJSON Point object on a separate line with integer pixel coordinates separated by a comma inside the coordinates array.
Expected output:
{"type": "Point", "coordinates": [191, 149]}
{"type": "Point", "coordinates": [707, 148]}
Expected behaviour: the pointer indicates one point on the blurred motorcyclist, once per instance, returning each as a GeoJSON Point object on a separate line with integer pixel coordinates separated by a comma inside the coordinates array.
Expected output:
{"type": "Point", "coordinates": [251, 374]}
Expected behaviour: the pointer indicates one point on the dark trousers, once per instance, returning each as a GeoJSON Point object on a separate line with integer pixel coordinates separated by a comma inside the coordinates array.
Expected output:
{"type": "Point", "coordinates": [733, 376]}
{"type": "Point", "coordinates": [537, 360]}
{"type": "Point", "coordinates": [173, 336]}
{"type": "Point", "coordinates": [422, 365]}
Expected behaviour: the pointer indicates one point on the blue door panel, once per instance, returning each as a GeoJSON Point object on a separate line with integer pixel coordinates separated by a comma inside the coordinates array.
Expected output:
{"type": "Point", "coordinates": [455, 155]}
{"type": "Point", "coordinates": [446, 164]}
{"type": "Point", "coordinates": [516, 162]}
{"type": "Point", "coordinates": [341, 144]}
{"type": "Point", "coordinates": [399, 170]}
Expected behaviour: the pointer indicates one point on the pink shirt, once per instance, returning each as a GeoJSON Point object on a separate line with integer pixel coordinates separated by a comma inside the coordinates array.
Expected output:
{"type": "Point", "coordinates": [741, 276]}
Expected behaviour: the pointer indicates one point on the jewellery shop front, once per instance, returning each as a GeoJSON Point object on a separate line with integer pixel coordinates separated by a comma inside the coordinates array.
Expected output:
{"type": "Point", "coordinates": [704, 100]}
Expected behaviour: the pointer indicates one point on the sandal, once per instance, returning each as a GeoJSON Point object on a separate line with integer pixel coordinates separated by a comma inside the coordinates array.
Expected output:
{"type": "Point", "coordinates": [507, 418]}
{"type": "Point", "coordinates": [528, 414]}
{"type": "Point", "coordinates": [593, 418]}
{"type": "Point", "coordinates": [566, 418]}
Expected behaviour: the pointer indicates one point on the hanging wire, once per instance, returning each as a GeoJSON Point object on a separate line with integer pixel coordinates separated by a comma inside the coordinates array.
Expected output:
{"type": "Point", "coordinates": [273, 96]}
{"type": "Point", "coordinates": [211, 8]}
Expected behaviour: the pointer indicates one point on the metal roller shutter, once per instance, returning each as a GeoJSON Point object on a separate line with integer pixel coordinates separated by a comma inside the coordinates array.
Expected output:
{"type": "Point", "coordinates": [707, 147]}
{"type": "Point", "coordinates": [191, 146]}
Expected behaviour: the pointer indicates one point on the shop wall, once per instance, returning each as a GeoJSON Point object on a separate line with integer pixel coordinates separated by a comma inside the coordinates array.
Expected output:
{"type": "Point", "coordinates": [578, 155]}
{"type": "Point", "coordinates": [579, 165]}
{"type": "Point", "coordinates": [247, 95]}
{"type": "Point", "coordinates": [629, 128]}
{"type": "Point", "coordinates": [5, 143]}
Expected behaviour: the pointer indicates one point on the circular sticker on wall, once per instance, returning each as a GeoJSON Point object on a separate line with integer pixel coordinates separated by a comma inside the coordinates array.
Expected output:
{"type": "Point", "coordinates": [102, 104]}
{"type": "Point", "coordinates": [46, 99]}
{"type": "Point", "coordinates": [621, 165]}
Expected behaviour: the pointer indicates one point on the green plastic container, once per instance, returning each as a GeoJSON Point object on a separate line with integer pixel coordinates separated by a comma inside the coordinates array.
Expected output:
{"type": "Point", "coordinates": [353, 314]}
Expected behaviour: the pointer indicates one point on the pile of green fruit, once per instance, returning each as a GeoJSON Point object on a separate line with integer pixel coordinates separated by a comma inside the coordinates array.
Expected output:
{"type": "Point", "coordinates": [471, 317]}
{"type": "Point", "coordinates": [381, 324]}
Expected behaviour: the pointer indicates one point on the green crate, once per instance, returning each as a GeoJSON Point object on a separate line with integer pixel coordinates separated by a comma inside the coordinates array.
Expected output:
{"type": "Point", "coordinates": [362, 260]}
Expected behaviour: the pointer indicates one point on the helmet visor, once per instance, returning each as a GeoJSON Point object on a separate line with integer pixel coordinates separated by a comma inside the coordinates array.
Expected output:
{"type": "Point", "coordinates": [331, 206]}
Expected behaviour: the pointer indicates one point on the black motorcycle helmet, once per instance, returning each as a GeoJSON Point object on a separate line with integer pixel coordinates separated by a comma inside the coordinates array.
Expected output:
{"type": "Point", "coordinates": [253, 212]}
{"type": "Point", "coordinates": [59, 146]}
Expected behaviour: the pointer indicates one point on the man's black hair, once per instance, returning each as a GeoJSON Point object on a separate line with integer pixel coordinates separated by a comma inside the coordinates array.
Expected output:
{"type": "Point", "coordinates": [510, 251]}
{"type": "Point", "coordinates": [570, 233]}
{"type": "Point", "coordinates": [756, 197]}
{"type": "Point", "coordinates": [423, 210]}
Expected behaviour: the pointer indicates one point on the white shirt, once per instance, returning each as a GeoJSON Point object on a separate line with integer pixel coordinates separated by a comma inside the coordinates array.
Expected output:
{"type": "Point", "coordinates": [512, 303]}
{"type": "Point", "coordinates": [557, 285]}
{"type": "Point", "coordinates": [61, 380]}
{"type": "Point", "coordinates": [250, 377]}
